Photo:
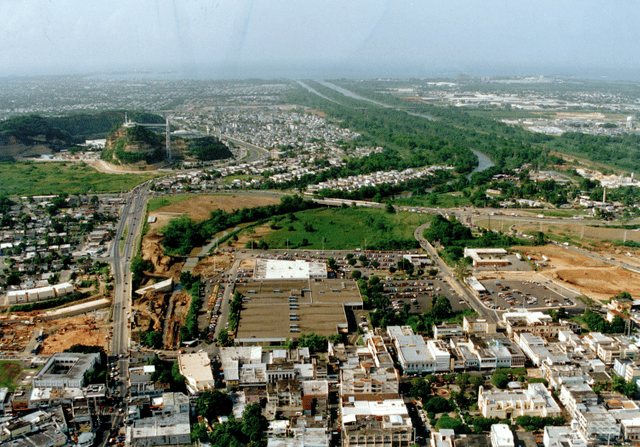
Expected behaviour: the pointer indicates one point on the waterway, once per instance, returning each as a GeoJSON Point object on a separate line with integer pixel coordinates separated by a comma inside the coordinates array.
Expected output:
{"type": "Point", "coordinates": [484, 162]}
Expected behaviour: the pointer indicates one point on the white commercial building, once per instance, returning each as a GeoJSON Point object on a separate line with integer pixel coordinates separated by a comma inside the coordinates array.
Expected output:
{"type": "Point", "coordinates": [534, 401]}
{"type": "Point", "coordinates": [501, 436]}
{"type": "Point", "coordinates": [196, 368]}
{"type": "Point", "coordinates": [298, 269]}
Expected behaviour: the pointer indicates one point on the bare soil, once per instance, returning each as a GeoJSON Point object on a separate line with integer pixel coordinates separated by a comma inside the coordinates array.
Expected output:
{"type": "Point", "coordinates": [66, 332]}
{"type": "Point", "coordinates": [588, 276]}
{"type": "Point", "coordinates": [253, 235]}
{"type": "Point", "coordinates": [199, 208]}
{"type": "Point", "coordinates": [213, 264]}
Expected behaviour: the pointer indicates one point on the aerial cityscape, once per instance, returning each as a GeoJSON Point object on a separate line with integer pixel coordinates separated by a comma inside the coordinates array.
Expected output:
{"type": "Point", "coordinates": [337, 225]}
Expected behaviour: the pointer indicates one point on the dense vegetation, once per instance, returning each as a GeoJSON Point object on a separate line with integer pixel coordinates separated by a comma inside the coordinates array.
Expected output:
{"type": "Point", "coordinates": [249, 431]}
{"type": "Point", "coordinates": [168, 372]}
{"type": "Point", "coordinates": [597, 323]}
{"type": "Point", "coordinates": [150, 146]}
{"type": "Point", "coordinates": [454, 237]}
{"type": "Point", "coordinates": [189, 331]}
{"type": "Point", "coordinates": [28, 128]}
{"type": "Point", "coordinates": [72, 129]}
{"type": "Point", "coordinates": [207, 149]}
{"type": "Point", "coordinates": [621, 152]}
{"type": "Point", "coordinates": [182, 235]}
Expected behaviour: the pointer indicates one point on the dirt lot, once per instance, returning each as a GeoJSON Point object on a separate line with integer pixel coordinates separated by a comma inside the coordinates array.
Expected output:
{"type": "Point", "coordinates": [255, 234]}
{"type": "Point", "coordinates": [84, 329]}
{"type": "Point", "coordinates": [213, 264]}
{"type": "Point", "coordinates": [600, 283]}
{"type": "Point", "coordinates": [200, 207]}
{"type": "Point", "coordinates": [589, 276]}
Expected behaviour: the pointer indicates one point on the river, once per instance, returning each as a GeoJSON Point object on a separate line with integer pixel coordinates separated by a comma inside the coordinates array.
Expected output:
{"type": "Point", "coordinates": [484, 162]}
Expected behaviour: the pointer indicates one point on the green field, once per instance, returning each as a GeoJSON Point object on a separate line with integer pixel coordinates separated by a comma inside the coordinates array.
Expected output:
{"type": "Point", "coordinates": [9, 371]}
{"type": "Point", "coordinates": [437, 200]}
{"type": "Point", "coordinates": [42, 178]}
{"type": "Point", "coordinates": [346, 228]}
{"type": "Point", "coordinates": [159, 202]}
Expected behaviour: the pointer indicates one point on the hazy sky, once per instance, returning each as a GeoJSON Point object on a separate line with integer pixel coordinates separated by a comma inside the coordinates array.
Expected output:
{"type": "Point", "coordinates": [240, 37]}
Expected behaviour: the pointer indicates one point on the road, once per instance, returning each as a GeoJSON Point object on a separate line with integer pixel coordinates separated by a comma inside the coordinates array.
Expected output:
{"type": "Point", "coordinates": [122, 250]}
{"type": "Point", "coordinates": [459, 287]}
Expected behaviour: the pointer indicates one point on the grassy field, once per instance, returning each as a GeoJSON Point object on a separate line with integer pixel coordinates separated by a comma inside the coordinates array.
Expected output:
{"type": "Point", "coordinates": [439, 200]}
{"type": "Point", "coordinates": [345, 228]}
{"type": "Point", "coordinates": [9, 371]}
{"type": "Point", "coordinates": [158, 202]}
{"type": "Point", "coordinates": [30, 178]}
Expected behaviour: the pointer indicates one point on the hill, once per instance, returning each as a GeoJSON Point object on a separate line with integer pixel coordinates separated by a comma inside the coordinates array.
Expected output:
{"type": "Point", "coordinates": [33, 135]}
{"type": "Point", "coordinates": [207, 149]}
{"type": "Point", "coordinates": [131, 145]}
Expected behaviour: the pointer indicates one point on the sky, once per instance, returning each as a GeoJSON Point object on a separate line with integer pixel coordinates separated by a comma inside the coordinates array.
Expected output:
{"type": "Point", "coordinates": [303, 38]}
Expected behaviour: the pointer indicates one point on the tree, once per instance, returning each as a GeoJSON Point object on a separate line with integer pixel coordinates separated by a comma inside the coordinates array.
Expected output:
{"type": "Point", "coordinates": [437, 404]}
{"type": "Point", "coordinates": [476, 382]}
{"type": "Point", "coordinates": [405, 265]}
{"type": "Point", "coordinates": [254, 424]}
{"type": "Point", "coordinates": [356, 274]}
{"type": "Point", "coordinates": [223, 338]}
{"type": "Point", "coordinates": [442, 308]}
{"type": "Point", "coordinates": [313, 341]}
{"type": "Point", "coordinates": [331, 263]}
{"type": "Point", "coordinates": [461, 269]}
{"type": "Point", "coordinates": [499, 380]}
{"type": "Point", "coordinates": [447, 422]}
{"type": "Point", "coordinates": [389, 208]}
{"type": "Point", "coordinates": [212, 404]}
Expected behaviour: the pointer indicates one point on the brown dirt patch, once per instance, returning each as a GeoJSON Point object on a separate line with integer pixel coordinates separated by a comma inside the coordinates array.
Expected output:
{"type": "Point", "coordinates": [600, 283]}
{"type": "Point", "coordinates": [66, 332]}
{"type": "Point", "coordinates": [153, 251]}
{"type": "Point", "coordinates": [199, 208]}
{"type": "Point", "coordinates": [561, 257]}
{"type": "Point", "coordinates": [213, 265]}
{"type": "Point", "coordinates": [254, 235]}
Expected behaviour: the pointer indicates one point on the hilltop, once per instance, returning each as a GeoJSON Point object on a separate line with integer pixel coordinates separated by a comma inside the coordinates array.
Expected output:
{"type": "Point", "coordinates": [134, 145]}
{"type": "Point", "coordinates": [34, 135]}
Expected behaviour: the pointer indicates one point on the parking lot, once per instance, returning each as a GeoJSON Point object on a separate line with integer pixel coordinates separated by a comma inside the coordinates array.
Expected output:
{"type": "Point", "coordinates": [420, 293]}
{"type": "Point", "coordinates": [510, 294]}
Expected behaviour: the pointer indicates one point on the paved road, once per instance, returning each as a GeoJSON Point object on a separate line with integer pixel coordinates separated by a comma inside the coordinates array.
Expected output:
{"type": "Point", "coordinates": [459, 287]}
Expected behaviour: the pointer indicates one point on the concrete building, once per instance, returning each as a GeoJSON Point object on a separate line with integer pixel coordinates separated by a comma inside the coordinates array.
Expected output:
{"type": "Point", "coordinates": [563, 437]}
{"type": "Point", "coordinates": [168, 430]}
{"type": "Point", "coordinates": [66, 370]}
{"type": "Point", "coordinates": [365, 379]}
{"type": "Point", "coordinates": [576, 397]}
{"type": "Point", "coordinates": [298, 269]}
{"type": "Point", "coordinates": [501, 436]}
{"type": "Point", "coordinates": [196, 368]}
{"type": "Point", "coordinates": [374, 423]}
{"type": "Point", "coordinates": [487, 256]}
{"type": "Point", "coordinates": [478, 325]}
{"type": "Point", "coordinates": [534, 401]}
{"type": "Point", "coordinates": [447, 330]}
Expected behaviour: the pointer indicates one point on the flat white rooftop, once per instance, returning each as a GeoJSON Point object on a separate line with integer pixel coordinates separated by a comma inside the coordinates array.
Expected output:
{"type": "Point", "coordinates": [298, 269]}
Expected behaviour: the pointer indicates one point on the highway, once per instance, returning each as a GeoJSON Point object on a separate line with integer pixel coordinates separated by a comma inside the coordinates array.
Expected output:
{"type": "Point", "coordinates": [122, 250]}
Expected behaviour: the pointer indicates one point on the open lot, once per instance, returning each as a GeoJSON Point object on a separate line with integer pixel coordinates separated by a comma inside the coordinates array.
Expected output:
{"type": "Point", "coordinates": [350, 228]}
{"type": "Point", "coordinates": [528, 294]}
{"type": "Point", "coordinates": [199, 207]}
{"type": "Point", "coordinates": [37, 178]}
{"type": "Point", "coordinates": [419, 294]}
